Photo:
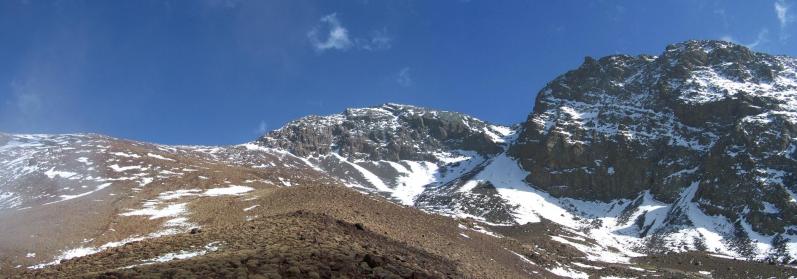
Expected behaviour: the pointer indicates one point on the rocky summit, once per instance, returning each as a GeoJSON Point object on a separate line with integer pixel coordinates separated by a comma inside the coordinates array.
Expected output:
{"type": "Point", "coordinates": [678, 165]}
{"type": "Point", "coordinates": [704, 132]}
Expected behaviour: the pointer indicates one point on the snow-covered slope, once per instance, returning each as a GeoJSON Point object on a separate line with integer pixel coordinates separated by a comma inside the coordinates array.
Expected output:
{"type": "Point", "coordinates": [63, 167]}
{"type": "Point", "coordinates": [400, 151]}
{"type": "Point", "coordinates": [65, 196]}
{"type": "Point", "coordinates": [690, 150]}
{"type": "Point", "coordinates": [493, 188]}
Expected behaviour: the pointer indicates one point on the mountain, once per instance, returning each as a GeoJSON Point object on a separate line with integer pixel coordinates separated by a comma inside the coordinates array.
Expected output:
{"type": "Point", "coordinates": [676, 165]}
{"type": "Point", "coordinates": [693, 149]}
{"type": "Point", "coordinates": [702, 136]}
{"type": "Point", "coordinates": [415, 156]}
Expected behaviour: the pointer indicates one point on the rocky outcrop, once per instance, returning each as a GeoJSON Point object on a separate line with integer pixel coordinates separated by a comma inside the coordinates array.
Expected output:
{"type": "Point", "coordinates": [706, 112]}
{"type": "Point", "coordinates": [389, 132]}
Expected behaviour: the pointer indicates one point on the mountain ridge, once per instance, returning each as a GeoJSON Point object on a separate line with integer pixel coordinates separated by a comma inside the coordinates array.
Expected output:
{"type": "Point", "coordinates": [639, 130]}
{"type": "Point", "coordinates": [625, 156]}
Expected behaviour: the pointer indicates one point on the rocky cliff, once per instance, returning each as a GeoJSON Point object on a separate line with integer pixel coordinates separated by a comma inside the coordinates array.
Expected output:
{"type": "Point", "coordinates": [709, 113]}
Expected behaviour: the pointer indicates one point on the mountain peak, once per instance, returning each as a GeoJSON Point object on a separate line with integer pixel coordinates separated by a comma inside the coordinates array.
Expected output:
{"type": "Point", "coordinates": [399, 106]}
{"type": "Point", "coordinates": [387, 109]}
{"type": "Point", "coordinates": [704, 45]}
{"type": "Point", "coordinates": [710, 123]}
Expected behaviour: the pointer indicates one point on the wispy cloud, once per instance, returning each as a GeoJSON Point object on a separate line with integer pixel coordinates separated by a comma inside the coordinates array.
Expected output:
{"type": "Point", "coordinates": [379, 40]}
{"type": "Point", "coordinates": [404, 77]}
{"type": "Point", "coordinates": [782, 11]}
{"type": "Point", "coordinates": [330, 34]}
{"type": "Point", "coordinates": [723, 16]}
{"type": "Point", "coordinates": [761, 39]}
{"type": "Point", "coordinates": [262, 128]}
{"type": "Point", "coordinates": [334, 36]}
{"type": "Point", "coordinates": [784, 18]}
{"type": "Point", "coordinates": [37, 100]}
{"type": "Point", "coordinates": [42, 90]}
{"type": "Point", "coordinates": [26, 100]}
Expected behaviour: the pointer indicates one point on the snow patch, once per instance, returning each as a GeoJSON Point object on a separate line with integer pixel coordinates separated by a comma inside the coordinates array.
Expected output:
{"type": "Point", "coordinates": [98, 188]}
{"type": "Point", "coordinates": [126, 155]}
{"type": "Point", "coordinates": [792, 195]}
{"type": "Point", "coordinates": [770, 208]}
{"type": "Point", "coordinates": [171, 195]}
{"type": "Point", "coordinates": [156, 156]}
{"type": "Point", "coordinates": [84, 160]}
{"type": "Point", "coordinates": [412, 181]}
{"type": "Point", "coordinates": [52, 173]}
{"type": "Point", "coordinates": [596, 252]}
{"type": "Point", "coordinates": [180, 255]}
{"type": "Point", "coordinates": [233, 190]}
{"type": "Point", "coordinates": [117, 168]}
{"type": "Point", "coordinates": [153, 212]}
{"type": "Point", "coordinates": [369, 176]}
{"type": "Point", "coordinates": [480, 229]}
{"type": "Point", "coordinates": [587, 266]}
{"type": "Point", "coordinates": [522, 258]}
{"type": "Point", "coordinates": [568, 273]}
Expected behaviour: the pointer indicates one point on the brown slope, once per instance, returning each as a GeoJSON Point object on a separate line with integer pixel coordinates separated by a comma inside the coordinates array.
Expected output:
{"type": "Point", "coordinates": [43, 226]}
{"type": "Point", "coordinates": [297, 221]}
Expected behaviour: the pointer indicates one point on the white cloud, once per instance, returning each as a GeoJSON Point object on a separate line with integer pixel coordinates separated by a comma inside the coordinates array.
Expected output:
{"type": "Point", "coordinates": [379, 40]}
{"type": "Point", "coordinates": [784, 18]}
{"type": "Point", "coordinates": [782, 11]}
{"type": "Point", "coordinates": [26, 100]}
{"type": "Point", "coordinates": [404, 78]}
{"type": "Point", "coordinates": [337, 36]}
{"type": "Point", "coordinates": [262, 128]}
{"type": "Point", "coordinates": [760, 40]}
{"type": "Point", "coordinates": [332, 35]}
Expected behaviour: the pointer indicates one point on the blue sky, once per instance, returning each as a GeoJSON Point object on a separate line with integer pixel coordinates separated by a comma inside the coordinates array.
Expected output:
{"type": "Point", "coordinates": [221, 72]}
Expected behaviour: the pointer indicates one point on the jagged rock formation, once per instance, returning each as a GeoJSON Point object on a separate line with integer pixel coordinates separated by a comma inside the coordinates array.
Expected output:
{"type": "Point", "coordinates": [390, 132]}
{"type": "Point", "coordinates": [709, 113]}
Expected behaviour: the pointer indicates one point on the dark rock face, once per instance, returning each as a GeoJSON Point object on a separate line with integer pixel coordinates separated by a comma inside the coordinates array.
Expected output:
{"type": "Point", "coordinates": [706, 112]}
{"type": "Point", "coordinates": [389, 132]}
